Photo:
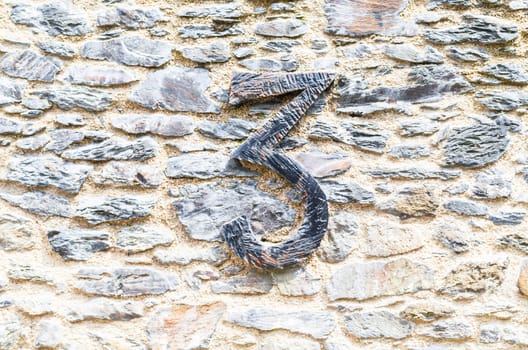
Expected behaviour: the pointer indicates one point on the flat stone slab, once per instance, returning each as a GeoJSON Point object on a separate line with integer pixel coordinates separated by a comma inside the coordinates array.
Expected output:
{"type": "Point", "coordinates": [30, 65]}
{"type": "Point", "coordinates": [99, 209]}
{"type": "Point", "coordinates": [115, 149]}
{"type": "Point", "coordinates": [164, 125]}
{"type": "Point", "coordinates": [70, 97]}
{"type": "Point", "coordinates": [97, 75]}
{"type": "Point", "coordinates": [130, 17]}
{"type": "Point", "coordinates": [78, 244]}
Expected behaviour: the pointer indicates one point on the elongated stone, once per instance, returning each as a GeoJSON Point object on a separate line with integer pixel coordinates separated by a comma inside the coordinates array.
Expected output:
{"type": "Point", "coordinates": [415, 201]}
{"type": "Point", "coordinates": [214, 255]}
{"type": "Point", "coordinates": [64, 138]}
{"type": "Point", "coordinates": [409, 151]}
{"type": "Point", "coordinates": [515, 240]}
{"type": "Point", "coordinates": [317, 324]}
{"type": "Point", "coordinates": [125, 282]}
{"type": "Point", "coordinates": [377, 324]}
{"type": "Point", "coordinates": [232, 129]}
{"type": "Point", "coordinates": [346, 192]}
{"type": "Point", "coordinates": [70, 97]}
{"type": "Point", "coordinates": [229, 10]}
{"type": "Point", "coordinates": [291, 28]}
{"type": "Point", "coordinates": [253, 282]}
{"type": "Point", "coordinates": [466, 207]}
{"type": "Point", "coordinates": [17, 232]}
{"type": "Point", "coordinates": [176, 89]}
{"type": "Point", "coordinates": [508, 72]}
{"type": "Point", "coordinates": [468, 54]}
{"type": "Point", "coordinates": [77, 244]}
{"type": "Point", "coordinates": [57, 48]}
{"type": "Point", "coordinates": [197, 31]}
{"type": "Point", "coordinates": [411, 53]}
{"type": "Point", "coordinates": [456, 329]}
{"type": "Point", "coordinates": [99, 209]}
{"type": "Point", "coordinates": [413, 173]}
{"type": "Point", "coordinates": [296, 281]}
{"type": "Point", "coordinates": [491, 184]}
{"type": "Point", "coordinates": [47, 170]}
{"type": "Point", "coordinates": [115, 149]}
{"type": "Point", "coordinates": [403, 238]}
{"type": "Point", "coordinates": [507, 217]}
{"type": "Point", "coordinates": [104, 309]}
{"type": "Point", "coordinates": [502, 100]}
{"type": "Point", "coordinates": [468, 280]}
{"type": "Point", "coordinates": [97, 75]}
{"type": "Point", "coordinates": [138, 238]}
{"type": "Point", "coordinates": [125, 174]}
{"type": "Point", "coordinates": [413, 127]}
{"type": "Point", "coordinates": [217, 52]}
{"type": "Point", "coordinates": [177, 125]}
{"type": "Point", "coordinates": [130, 17]}
{"type": "Point", "coordinates": [11, 91]}
{"type": "Point", "coordinates": [133, 50]}
{"type": "Point", "coordinates": [30, 65]}
{"type": "Point", "coordinates": [10, 126]}
{"type": "Point", "coordinates": [204, 166]}
{"type": "Point", "coordinates": [40, 203]}
{"type": "Point", "coordinates": [321, 164]}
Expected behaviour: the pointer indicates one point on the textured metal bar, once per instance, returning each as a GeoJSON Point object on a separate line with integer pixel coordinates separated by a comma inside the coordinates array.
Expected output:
{"type": "Point", "coordinates": [258, 149]}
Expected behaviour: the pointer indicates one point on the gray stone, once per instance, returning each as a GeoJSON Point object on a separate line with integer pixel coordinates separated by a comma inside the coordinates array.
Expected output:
{"type": "Point", "coordinates": [57, 48]}
{"type": "Point", "coordinates": [11, 90]}
{"type": "Point", "coordinates": [33, 102]}
{"type": "Point", "coordinates": [280, 45]}
{"type": "Point", "coordinates": [516, 336]}
{"type": "Point", "coordinates": [518, 5]}
{"type": "Point", "coordinates": [115, 149]}
{"type": "Point", "coordinates": [413, 127]}
{"type": "Point", "coordinates": [413, 173]}
{"type": "Point", "coordinates": [515, 240]}
{"type": "Point", "coordinates": [411, 53]}
{"type": "Point", "coordinates": [455, 238]}
{"type": "Point", "coordinates": [63, 138]}
{"type": "Point", "coordinates": [509, 72]}
{"type": "Point", "coordinates": [291, 28]}
{"type": "Point", "coordinates": [176, 89]}
{"type": "Point", "coordinates": [426, 312]}
{"type": "Point", "coordinates": [340, 239]}
{"type": "Point", "coordinates": [29, 65]}
{"type": "Point", "coordinates": [11, 331]}
{"type": "Point", "coordinates": [32, 143]}
{"type": "Point", "coordinates": [430, 18]}
{"type": "Point", "coordinates": [363, 281]}
{"type": "Point", "coordinates": [416, 201]}
{"type": "Point", "coordinates": [215, 255]}
{"type": "Point", "coordinates": [204, 166]}
{"type": "Point", "coordinates": [70, 120]}
{"type": "Point", "coordinates": [216, 52]}
{"type": "Point", "coordinates": [468, 280]}
{"type": "Point", "coordinates": [70, 97]}
{"type": "Point", "coordinates": [317, 324]}
{"type": "Point", "coordinates": [243, 52]}
{"type": "Point", "coordinates": [125, 282]}
{"type": "Point", "coordinates": [475, 145]}
{"type": "Point", "coordinates": [466, 207]}
{"type": "Point", "coordinates": [126, 174]}
{"type": "Point", "coordinates": [17, 232]}
{"type": "Point", "coordinates": [177, 125]}
{"type": "Point", "coordinates": [29, 273]}
{"type": "Point", "coordinates": [49, 333]}
{"type": "Point", "coordinates": [77, 244]}
{"type": "Point", "coordinates": [254, 282]}
{"type": "Point", "coordinates": [410, 151]}
{"type": "Point", "coordinates": [449, 329]}
{"type": "Point", "coordinates": [54, 18]}
{"type": "Point", "coordinates": [232, 129]}
{"type": "Point", "coordinates": [229, 10]}
{"type": "Point", "coordinates": [139, 238]}
{"type": "Point", "coordinates": [98, 209]}
{"type": "Point", "coordinates": [133, 50]}
{"type": "Point", "coordinates": [502, 100]}
{"type": "Point", "coordinates": [491, 184]}
{"type": "Point", "coordinates": [130, 17]}
{"type": "Point", "coordinates": [97, 75]}
{"type": "Point", "coordinates": [402, 238]}
{"type": "Point", "coordinates": [296, 281]}
{"type": "Point", "coordinates": [377, 324]}
{"type": "Point", "coordinates": [47, 170]}
{"type": "Point", "coordinates": [197, 31]}
{"type": "Point", "coordinates": [186, 147]}
{"type": "Point", "coordinates": [476, 29]}
{"type": "Point", "coordinates": [40, 203]}
{"type": "Point", "coordinates": [104, 309]}
{"type": "Point", "coordinates": [204, 209]}
{"type": "Point", "coordinates": [10, 126]}
{"type": "Point", "coordinates": [507, 217]}
{"type": "Point", "coordinates": [264, 64]}
{"type": "Point", "coordinates": [346, 192]}
{"type": "Point", "coordinates": [467, 54]}
{"type": "Point", "coordinates": [321, 164]}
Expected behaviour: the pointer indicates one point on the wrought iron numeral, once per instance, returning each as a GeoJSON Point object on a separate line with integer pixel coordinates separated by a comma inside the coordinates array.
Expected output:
{"type": "Point", "coordinates": [259, 149]}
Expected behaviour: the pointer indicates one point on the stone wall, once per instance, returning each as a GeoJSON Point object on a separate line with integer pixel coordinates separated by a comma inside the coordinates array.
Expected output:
{"type": "Point", "coordinates": [115, 138]}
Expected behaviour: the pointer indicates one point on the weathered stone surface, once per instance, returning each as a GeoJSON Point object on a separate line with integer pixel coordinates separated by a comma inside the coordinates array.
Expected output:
{"type": "Point", "coordinates": [409, 151]}
{"type": "Point", "coordinates": [97, 75]}
{"type": "Point", "coordinates": [502, 100]}
{"type": "Point", "coordinates": [77, 244]}
{"type": "Point", "coordinates": [10, 330]}
{"type": "Point", "coordinates": [507, 217]}
{"type": "Point", "coordinates": [320, 164]}
{"type": "Point", "coordinates": [70, 120]}
{"type": "Point", "coordinates": [280, 45]}
{"type": "Point", "coordinates": [339, 191]}
{"type": "Point", "coordinates": [296, 281]}
{"type": "Point", "coordinates": [411, 202]}
{"type": "Point", "coordinates": [413, 173]}
{"type": "Point", "coordinates": [57, 48]}
{"type": "Point", "coordinates": [449, 329]}
{"type": "Point", "coordinates": [130, 17]}
{"type": "Point", "coordinates": [522, 282]}
{"type": "Point", "coordinates": [98, 209]}
{"type": "Point", "coordinates": [197, 31]}
{"type": "Point", "coordinates": [64, 138]}
{"type": "Point", "coordinates": [216, 52]}
{"type": "Point", "coordinates": [104, 309]}
{"type": "Point", "coordinates": [278, 342]}
{"type": "Point", "coordinates": [477, 29]}
{"type": "Point", "coordinates": [115, 149]}
{"type": "Point", "coordinates": [70, 97]}
{"type": "Point", "coordinates": [33, 102]}
{"type": "Point", "coordinates": [43, 305]}
{"type": "Point", "coordinates": [176, 89]}
{"type": "Point", "coordinates": [229, 10]}
{"type": "Point", "coordinates": [125, 282]}
{"type": "Point", "coordinates": [425, 312]}
{"type": "Point", "coordinates": [377, 324]}
{"type": "Point", "coordinates": [466, 207]}
{"type": "Point", "coordinates": [10, 126]}
{"type": "Point", "coordinates": [468, 280]}
{"type": "Point", "coordinates": [291, 28]}
{"type": "Point", "coordinates": [243, 52]}
{"type": "Point", "coordinates": [40, 203]}
{"type": "Point", "coordinates": [232, 129]}
{"type": "Point", "coordinates": [11, 91]}
{"type": "Point", "coordinates": [402, 238]}
{"type": "Point", "coordinates": [494, 333]}
{"type": "Point", "coordinates": [32, 143]}
{"type": "Point", "coordinates": [135, 239]}
{"type": "Point", "coordinates": [515, 240]}
{"type": "Point", "coordinates": [126, 174]}
{"type": "Point", "coordinates": [47, 170]}
{"type": "Point", "coordinates": [373, 279]}
{"type": "Point", "coordinates": [49, 333]}
{"type": "Point", "coordinates": [133, 50]}
{"type": "Point", "coordinates": [163, 125]}
{"type": "Point", "coordinates": [30, 273]}
{"type": "Point", "coordinates": [341, 237]}
{"type": "Point", "coordinates": [411, 53]}
{"type": "Point", "coordinates": [352, 18]}
{"type": "Point", "coordinates": [17, 232]}
{"type": "Point", "coordinates": [491, 184]}
{"type": "Point", "coordinates": [254, 282]}
{"type": "Point", "coordinates": [467, 54]}
{"type": "Point", "coordinates": [54, 18]}
{"type": "Point", "coordinates": [30, 65]}
{"type": "Point", "coordinates": [269, 65]}
{"type": "Point", "coordinates": [204, 166]}
{"type": "Point", "coordinates": [215, 255]}
{"type": "Point", "coordinates": [475, 145]}
{"type": "Point", "coordinates": [509, 72]}
{"type": "Point", "coordinates": [203, 209]}
{"type": "Point", "coordinates": [317, 324]}
{"type": "Point", "coordinates": [413, 127]}
{"type": "Point", "coordinates": [184, 327]}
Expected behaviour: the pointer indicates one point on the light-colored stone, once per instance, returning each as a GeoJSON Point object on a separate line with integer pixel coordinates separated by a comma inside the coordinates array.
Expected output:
{"type": "Point", "coordinates": [377, 324]}
{"type": "Point", "coordinates": [386, 238]}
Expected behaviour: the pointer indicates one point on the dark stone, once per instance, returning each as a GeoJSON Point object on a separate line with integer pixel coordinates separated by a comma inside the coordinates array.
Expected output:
{"type": "Point", "coordinates": [97, 209]}
{"type": "Point", "coordinates": [176, 125]}
{"type": "Point", "coordinates": [97, 75]}
{"type": "Point", "coordinates": [411, 53]}
{"type": "Point", "coordinates": [290, 28]}
{"type": "Point", "coordinates": [133, 50]}
{"type": "Point", "coordinates": [232, 129]}
{"type": "Point", "coordinates": [466, 207]}
{"type": "Point", "coordinates": [217, 52]}
{"type": "Point", "coordinates": [57, 48]}
{"type": "Point", "coordinates": [11, 91]}
{"type": "Point", "coordinates": [280, 45]}
{"type": "Point", "coordinates": [410, 151]}
{"type": "Point", "coordinates": [467, 54]}
{"type": "Point", "coordinates": [508, 72]}
{"type": "Point", "coordinates": [70, 97]}
{"type": "Point", "coordinates": [197, 31]}
{"type": "Point", "coordinates": [130, 17]}
{"type": "Point", "coordinates": [176, 89]}
{"type": "Point", "coordinates": [413, 173]}
{"type": "Point", "coordinates": [507, 218]}
{"type": "Point", "coordinates": [481, 30]}
{"type": "Point", "coordinates": [77, 244]}
{"type": "Point", "coordinates": [115, 149]}
{"type": "Point", "coordinates": [204, 166]}
{"type": "Point", "coordinates": [40, 203]}
{"type": "Point", "coordinates": [413, 127]}
{"type": "Point", "coordinates": [29, 65]}
{"type": "Point", "coordinates": [63, 138]}
{"type": "Point", "coordinates": [502, 100]}
{"type": "Point", "coordinates": [515, 240]}
{"type": "Point", "coordinates": [346, 192]}
{"type": "Point", "coordinates": [292, 142]}
{"type": "Point", "coordinates": [491, 184]}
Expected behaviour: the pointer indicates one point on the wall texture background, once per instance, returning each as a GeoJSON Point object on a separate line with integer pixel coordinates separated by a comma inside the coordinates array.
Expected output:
{"type": "Point", "coordinates": [115, 134]}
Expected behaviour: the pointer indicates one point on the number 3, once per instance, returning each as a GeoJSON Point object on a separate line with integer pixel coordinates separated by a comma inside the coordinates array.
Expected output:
{"type": "Point", "coordinates": [258, 149]}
